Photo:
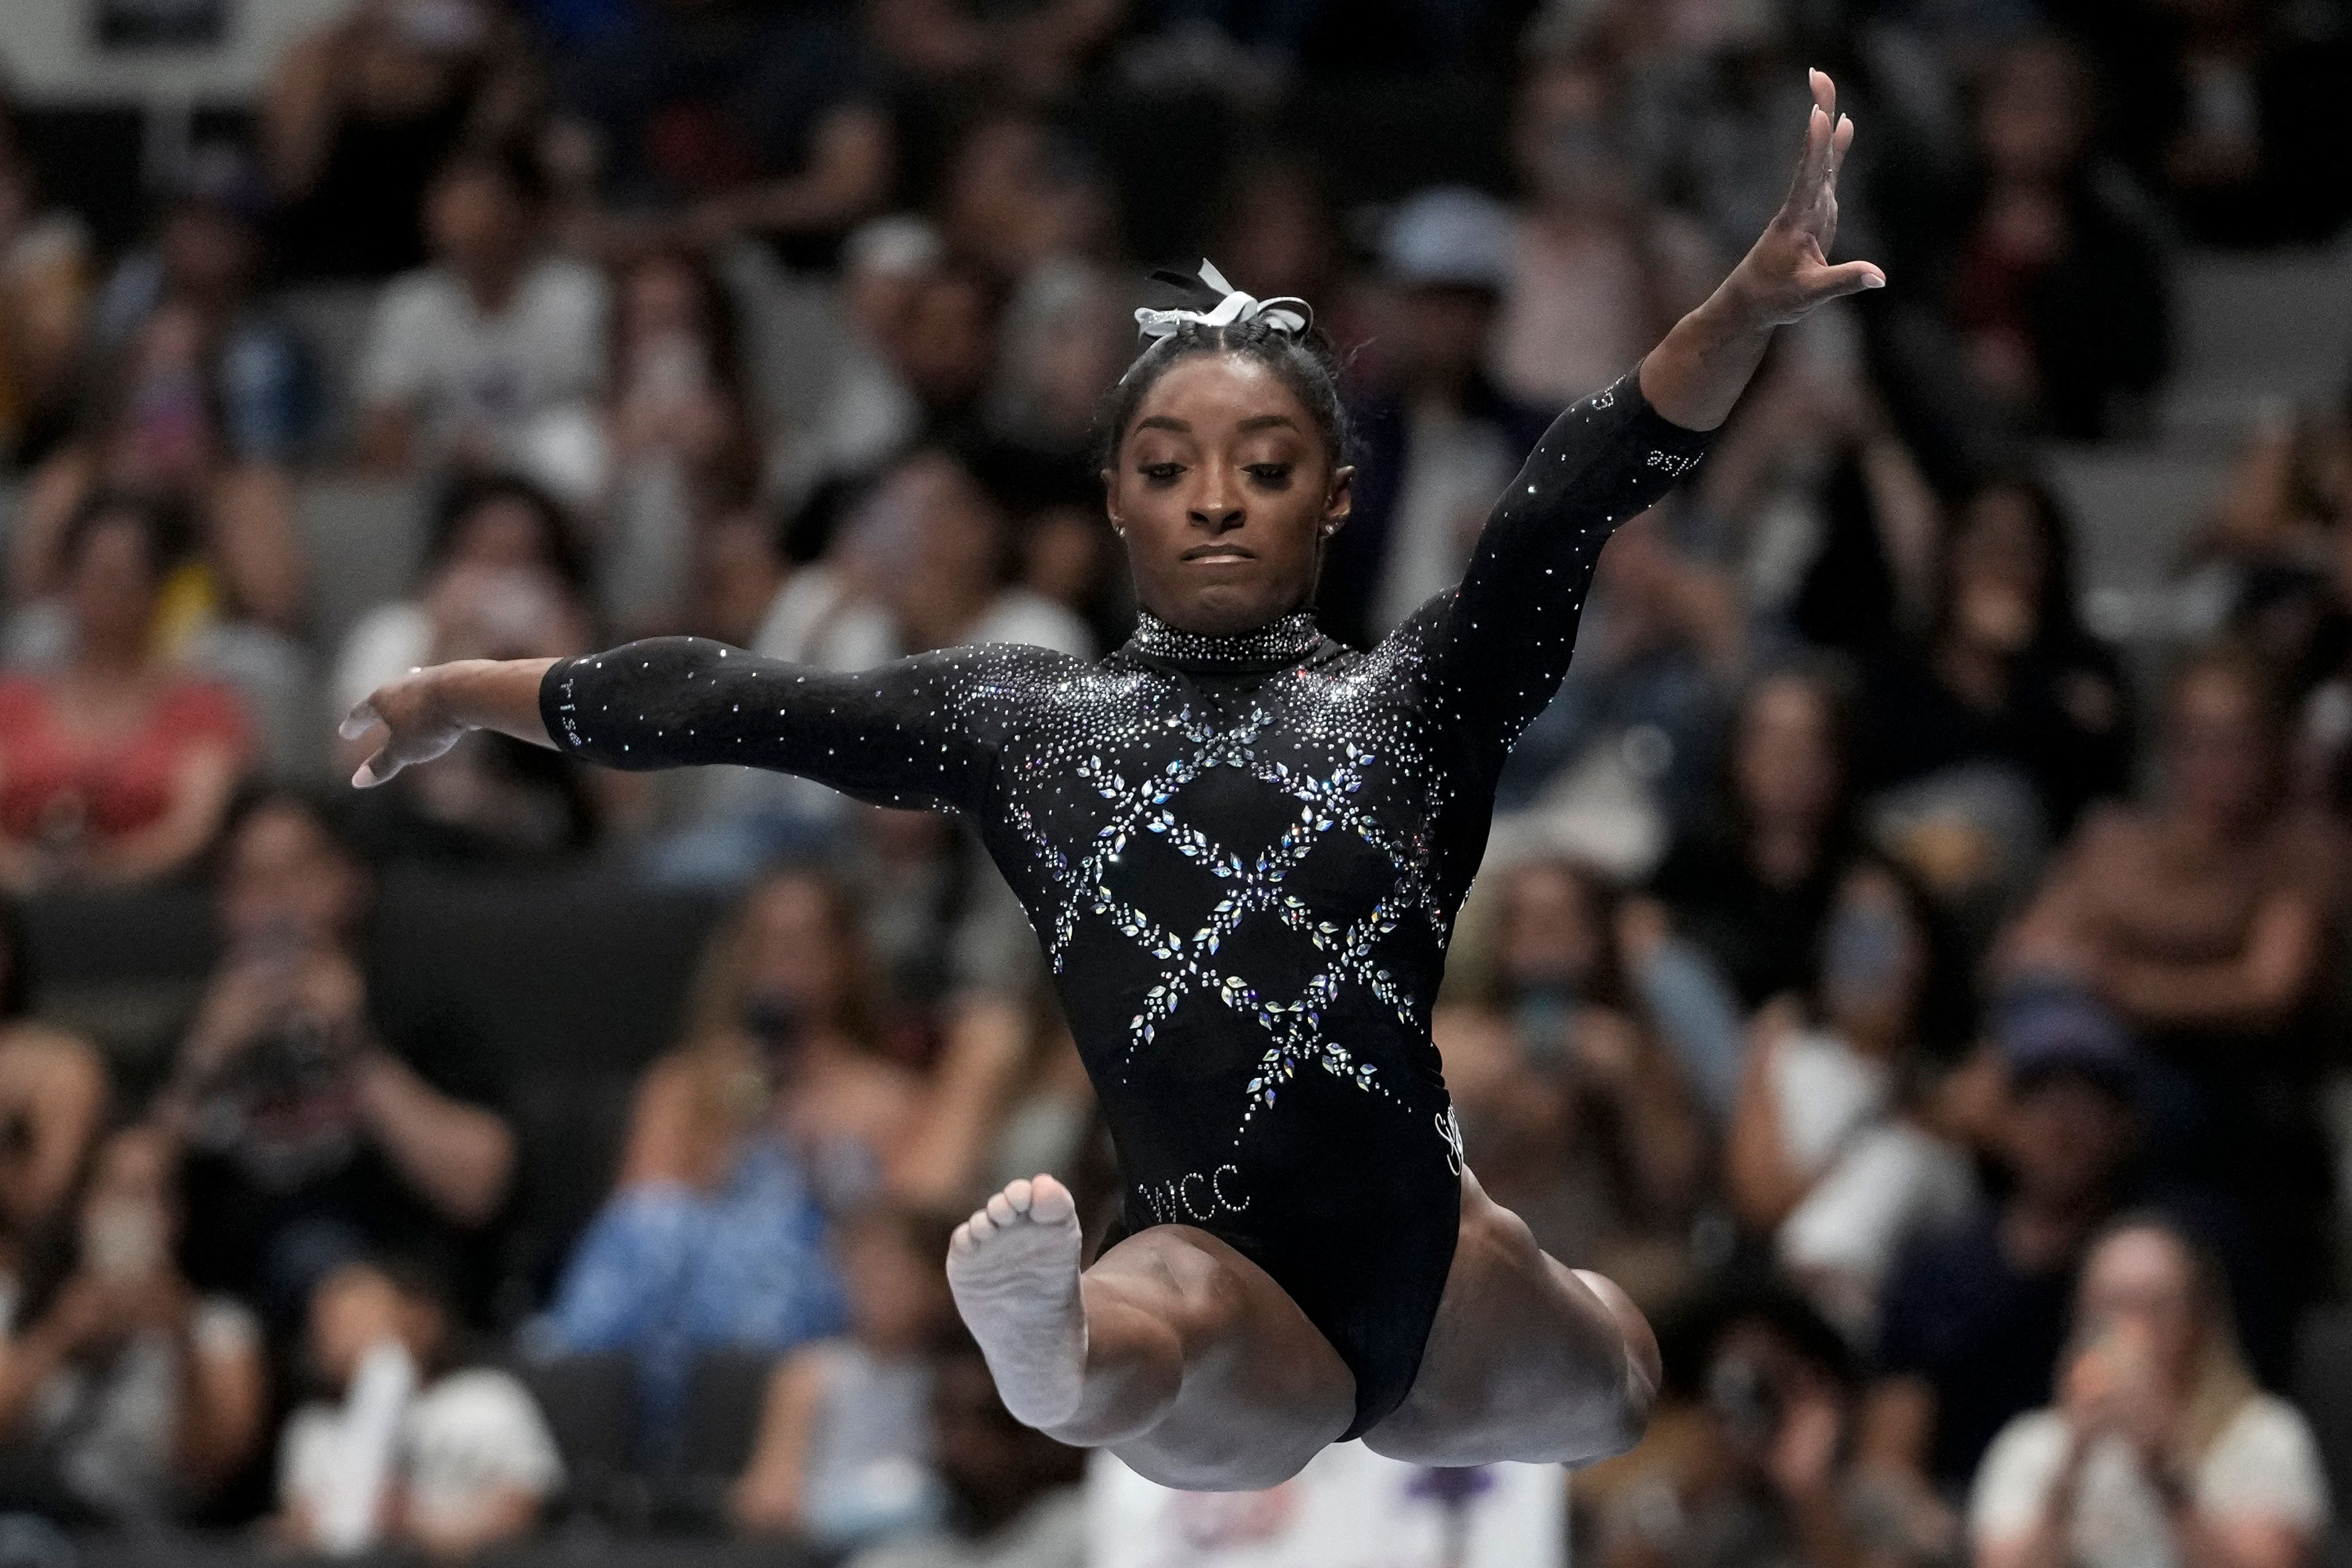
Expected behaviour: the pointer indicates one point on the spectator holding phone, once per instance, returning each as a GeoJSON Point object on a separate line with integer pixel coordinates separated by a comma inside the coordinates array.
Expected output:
{"type": "Point", "coordinates": [774, 1117]}
{"type": "Point", "coordinates": [1751, 1462]}
{"type": "Point", "coordinates": [126, 1395]}
{"type": "Point", "coordinates": [321, 1127]}
{"type": "Point", "coordinates": [2160, 1450]}
{"type": "Point", "coordinates": [419, 1449]}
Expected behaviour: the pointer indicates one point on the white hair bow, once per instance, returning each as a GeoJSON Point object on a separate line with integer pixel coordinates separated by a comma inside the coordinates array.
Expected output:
{"type": "Point", "coordinates": [1287, 314]}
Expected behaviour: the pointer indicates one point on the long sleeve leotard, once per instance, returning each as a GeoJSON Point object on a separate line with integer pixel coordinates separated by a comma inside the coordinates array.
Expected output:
{"type": "Point", "coordinates": [1243, 856]}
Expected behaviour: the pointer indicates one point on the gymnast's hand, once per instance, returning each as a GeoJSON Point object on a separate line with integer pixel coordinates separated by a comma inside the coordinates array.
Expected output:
{"type": "Point", "coordinates": [1787, 272]}
{"type": "Point", "coordinates": [1696, 373]}
{"type": "Point", "coordinates": [427, 711]}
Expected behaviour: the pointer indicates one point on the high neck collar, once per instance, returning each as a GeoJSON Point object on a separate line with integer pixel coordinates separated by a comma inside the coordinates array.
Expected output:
{"type": "Point", "coordinates": [1282, 641]}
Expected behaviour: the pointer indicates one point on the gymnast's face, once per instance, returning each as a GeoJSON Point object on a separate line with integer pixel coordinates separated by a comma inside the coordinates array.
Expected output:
{"type": "Point", "coordinates": [1225, 493]}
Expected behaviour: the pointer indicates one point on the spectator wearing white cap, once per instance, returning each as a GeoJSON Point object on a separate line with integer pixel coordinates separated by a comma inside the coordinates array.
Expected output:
{"type": "Point", "coordinates": [1437, 438]}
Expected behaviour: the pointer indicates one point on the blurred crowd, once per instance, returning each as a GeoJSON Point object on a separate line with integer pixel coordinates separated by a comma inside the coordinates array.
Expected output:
{"type": "Point", "coordinates": [1928, 1008]}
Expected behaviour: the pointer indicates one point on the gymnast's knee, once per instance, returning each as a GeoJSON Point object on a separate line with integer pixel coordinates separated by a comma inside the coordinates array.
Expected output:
{"type": "Point", "coordinates": [1640, 1370]}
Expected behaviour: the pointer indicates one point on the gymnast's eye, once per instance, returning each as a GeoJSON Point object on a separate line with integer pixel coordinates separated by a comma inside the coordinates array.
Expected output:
{"type": "Point", "coordinates": [1273, 475]}
{"type": "Point", "coordinates": [1161, 473]}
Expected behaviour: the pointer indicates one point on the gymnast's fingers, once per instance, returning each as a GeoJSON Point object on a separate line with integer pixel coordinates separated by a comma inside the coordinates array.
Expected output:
{"type": "Point", "coordinates": [357, 722]}
{"type": "Point", "coordinates": [1821, 125]}
{"type": "Point", "coordinates": [376, 768]}
{"type": "Point", "coordinates": [1801, 184]}
{"type": "Point", "coordinates": [1846, 277]}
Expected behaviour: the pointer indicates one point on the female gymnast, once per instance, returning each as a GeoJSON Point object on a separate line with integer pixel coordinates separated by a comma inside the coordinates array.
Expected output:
{"type": "Point", "coordinates": [1242, 846]}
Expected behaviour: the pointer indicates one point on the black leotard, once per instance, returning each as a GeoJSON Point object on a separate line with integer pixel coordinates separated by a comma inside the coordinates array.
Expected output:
{"type": "Point", "coordinates": [1243, 856]}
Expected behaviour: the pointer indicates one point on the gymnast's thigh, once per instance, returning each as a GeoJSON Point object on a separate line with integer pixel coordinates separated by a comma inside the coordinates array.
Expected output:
{"type": "Point", "coordinates": [1523, 1361]}
{"type": "Point", "coordinates": [1262, 1390]}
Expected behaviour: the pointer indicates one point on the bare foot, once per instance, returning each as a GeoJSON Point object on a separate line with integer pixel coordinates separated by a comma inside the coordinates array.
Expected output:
{"type": "Point", "coordinates": [1013, 1267]}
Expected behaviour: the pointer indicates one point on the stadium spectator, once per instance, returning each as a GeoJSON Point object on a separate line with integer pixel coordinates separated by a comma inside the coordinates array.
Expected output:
{"type": "Point", "coordinates": [2225, 105]}
{"type": "Point", "coordinates": [945, 931]}
{"type": "Point", "coordinates": [737, 571]}
{"type": "Point", "coordinates": [1975, 1312]}
{"type": "Point", "coordinates": [2052, 272]}
{"type": "Point", "coordinates": [1637, 732]}
{"type": "Point", "coordinates": [116, 767]}
{"type": "Point", "coordinates": [1566, 1102]}
{"type": "Point", "coordinates": [492, 356]}
{"type": "Point", "coordinates": [126, 1395]}
{"type": "Point", "coordinates": [1831, 1151]}
{"type": "Point", "coordinates": [1008, 1098]}
{"type": "Point", "coordinates": [1749, 1460]}
{"type": "Point", "coordinates": [2159, 1447]}
{"type": "Point", "coordinates": [53, 1097]}
{"type": "Point", "coordinates": [945, 352]}
{"type": "Point", "coordinates": [1011, 1493]}
{"type": "Point", "coordinates": [682, 452]}
{"type": "Point", "coordinates": [775, 1115]}
{"type": "Point", "coordinates": [423, 1451]}
{"type": "Point", "coordinates": [1064, 339]}
{"type": "Point", "coordinates": [1600, 269]}
{"type": "Point", "coordinates": [2004, 720]}
{"type": "Point", "coordinates": [2201, 919]}
{"type": "Point", "coordinates": [2291, 484]}
{"type": "Point", "coordinates": [358, 116]}
{"type": "Point", "coordinates": [935, 547]}
{"type": "Point", "coordinates": [1277, 231]}
{"type": "Point", "coordinates": [924, 560]}
{"type": "Point", "coordinates": [839, 405]}
{"type": "Point", "coordinates": [1750, 890]}
{"type": "Point", "coordinates": [1035, 52]}
{"type": "Point", "coordinates": [320, 1125]}
{"type": "Point", "coordinates": [207, 253]}
{"type": "Point", "coordinates": [157, 429]}
{"type": "Point", "coordinates": [1819, 498]}
{"type": "Point", "coordinates": [45, 278]}
{"type": "Point", "coordinates": [1436, 440]}
{"type": "Point", "coordinates": [721, 120]}
{"type": "Point", "coordinates": [845, 1449]}
{"type": "Point", "coordinates": [502, 577]}
{"type": "Point", "coordinates": [1017, 194]}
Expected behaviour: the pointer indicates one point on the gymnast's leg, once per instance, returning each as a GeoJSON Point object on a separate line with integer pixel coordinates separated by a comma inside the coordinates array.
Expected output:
{"type": "Point", "coordinates": [1174, 1351]}
{"type": "Point", "coordinates": [1527, 1360]}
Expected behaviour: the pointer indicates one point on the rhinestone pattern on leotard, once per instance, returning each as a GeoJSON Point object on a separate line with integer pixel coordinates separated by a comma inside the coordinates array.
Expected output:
{"type": "Point", "coordinates": [1242, 855]}
{"type": "Point", "coordinates": [1292, 637]}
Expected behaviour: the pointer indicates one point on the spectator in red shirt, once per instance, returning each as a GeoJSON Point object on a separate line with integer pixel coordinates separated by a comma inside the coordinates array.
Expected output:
{"type": "Point", "coordinates": [114, 767]}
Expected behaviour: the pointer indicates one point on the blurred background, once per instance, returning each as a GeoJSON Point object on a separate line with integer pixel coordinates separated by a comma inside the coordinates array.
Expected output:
{"type": "Point", "coordinates": [1911, 959]}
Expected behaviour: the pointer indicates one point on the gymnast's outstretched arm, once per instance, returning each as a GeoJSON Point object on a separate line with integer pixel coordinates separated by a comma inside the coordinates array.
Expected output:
{"type": "Point", "coordinates": [909, 733]}
{"type": "Point", "coordinates": [1498, 645]}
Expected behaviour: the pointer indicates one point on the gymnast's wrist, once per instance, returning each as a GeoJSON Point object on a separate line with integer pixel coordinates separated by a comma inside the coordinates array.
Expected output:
{"type": "Point", "coordinates": [1739, 308]}
{"type": "Point", "coordinates": [501, 695]}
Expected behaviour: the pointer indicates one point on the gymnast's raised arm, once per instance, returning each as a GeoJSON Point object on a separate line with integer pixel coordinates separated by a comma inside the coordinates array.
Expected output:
{"type": "Point", "coordinates": [904, 733]}
{"type": "Point", "coordinates": [1502, 640]}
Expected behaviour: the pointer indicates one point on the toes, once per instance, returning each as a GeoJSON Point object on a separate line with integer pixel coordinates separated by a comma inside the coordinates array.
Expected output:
{"type": "Point", "coordinates": [1001, 1209]}
{"type": "Point", "coordinates": [1018, 1194]}
{"type": "Point", "coordinates": [964, 1240]}
{"type": "Point", "coordinates": [1050, 1202]}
